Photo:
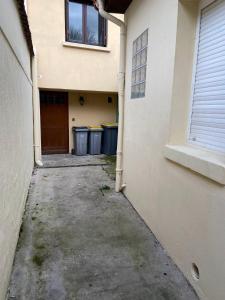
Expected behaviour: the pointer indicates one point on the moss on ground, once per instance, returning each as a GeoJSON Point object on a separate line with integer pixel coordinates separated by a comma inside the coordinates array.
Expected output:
{"type": "Point", "coordinates": [40, 247]}
{"type": "Point", "coordinates": [104, 189]}
{"type": "Point", "coordinates": [110, 169]}
{"type": "Point", "coordinates": [38, 260]}
{"type": "Point", "coordinates": [110, 159]}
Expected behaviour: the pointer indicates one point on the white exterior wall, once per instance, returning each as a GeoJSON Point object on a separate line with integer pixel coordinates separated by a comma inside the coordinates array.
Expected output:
{"type": "Point", "coordinates": [185, 210]}
{"type": "Point", "coordinates": [16, 134]}
{"type": "Point", "coordinates": [66, 66]}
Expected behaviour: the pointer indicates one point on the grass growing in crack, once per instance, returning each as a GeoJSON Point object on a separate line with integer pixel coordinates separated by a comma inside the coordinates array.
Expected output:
{"type": "Point", "coordinates": [38, 260]}
{"type": "Point", "coordinates": [104, 188]}
{"type": "Point", "coordinates": [40, 247]}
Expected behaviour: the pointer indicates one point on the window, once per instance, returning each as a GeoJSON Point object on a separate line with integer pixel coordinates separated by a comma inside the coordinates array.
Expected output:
{"type": "Point", "coordinates": [139, 65]}
{"type": "Point", "coordinates": [84, 25]}
{"type": "Point", "coordinates": [207, 127]}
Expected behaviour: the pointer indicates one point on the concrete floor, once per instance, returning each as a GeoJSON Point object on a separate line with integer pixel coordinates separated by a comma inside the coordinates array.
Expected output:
{"type": "Point", "coordinates": [82, 241]}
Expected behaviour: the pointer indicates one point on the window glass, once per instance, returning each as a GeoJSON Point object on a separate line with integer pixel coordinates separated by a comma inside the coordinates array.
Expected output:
{"type": "Point", "coordinates": [75, 22]}
{"type": "Point", "coordinates": [139, 65]}
{"type": "Point", "coordinates": [138, 60]}
{"type": "Point", "coordinates": [133, 78]}
{"type": "Point", "coordinates": [143, 73]}
{"type": "Point", "coordinates": [134, 47]}
{"type": "Point", "coordinates": [142, 89]}
{"type": "Point", "coordinates": [144, 39]}
{"type": "Point", "coordinates": [139, 44]}
{"type": "Point", "coordinates": [92, 25]}
{"type": "Point", "coordinates": [84, 24]}
{"type": "Point", "coordinates": [144, 57]}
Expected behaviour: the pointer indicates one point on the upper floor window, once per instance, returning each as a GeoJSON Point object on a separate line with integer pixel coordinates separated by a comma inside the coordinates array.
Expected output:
{"type": "Point", "coordinates": [84, 24]}
{"type": "Point", "coordinates": [139, 66]}
{"type": "Point", "coordinates": [207, 127]}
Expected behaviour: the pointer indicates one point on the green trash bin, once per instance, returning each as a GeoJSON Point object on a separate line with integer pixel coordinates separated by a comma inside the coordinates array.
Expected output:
{"type": "Point", "coordinates": [110, 135]}
{"type": "Point", "coordinates": [95, 140]}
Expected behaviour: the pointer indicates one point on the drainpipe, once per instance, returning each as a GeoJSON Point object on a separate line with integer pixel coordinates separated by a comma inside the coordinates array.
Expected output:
{"type": "Point", "coordinates": [119, 162]}
{"type": "Point", "coordinates": [36, 114]}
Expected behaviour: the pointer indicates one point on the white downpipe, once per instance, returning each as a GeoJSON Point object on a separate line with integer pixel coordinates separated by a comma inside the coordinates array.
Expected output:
{"type": "Point", "coordinates": [121, 94]}
{"type": "Point", "coordinates": [36, 115]}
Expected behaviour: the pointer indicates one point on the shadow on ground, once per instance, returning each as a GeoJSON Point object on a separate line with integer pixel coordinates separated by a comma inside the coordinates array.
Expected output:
{"type": "Point", "coordinates": [82, 241]}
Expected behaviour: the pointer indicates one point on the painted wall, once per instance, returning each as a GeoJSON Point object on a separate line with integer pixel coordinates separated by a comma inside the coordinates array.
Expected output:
{"type": "Point", "coordinates": [184, 209]}
{"type": "Point", "coordinates": [66, 67]}
{"type": "Point", "coordinates": [16, 134]}
{"type": "Point", "coordinates": [95, 111]}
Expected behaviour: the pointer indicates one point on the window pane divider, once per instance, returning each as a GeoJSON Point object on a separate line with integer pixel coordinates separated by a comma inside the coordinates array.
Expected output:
{"type": "Point", "coordinates": [138, 68]}
{"type": "Point", "coordinates": [140, 82]}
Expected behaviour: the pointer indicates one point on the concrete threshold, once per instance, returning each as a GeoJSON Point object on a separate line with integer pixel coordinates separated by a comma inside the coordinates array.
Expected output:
{"type": "Point", "coordinates": [73, 166]}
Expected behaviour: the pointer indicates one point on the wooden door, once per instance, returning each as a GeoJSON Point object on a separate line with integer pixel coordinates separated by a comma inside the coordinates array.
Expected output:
{"type": "Point", "coordinates": [54, 122]}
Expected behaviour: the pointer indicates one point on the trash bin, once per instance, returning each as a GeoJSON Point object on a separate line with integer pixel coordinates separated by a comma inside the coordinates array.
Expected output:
{"type": "Point", "coordinates": [109, 141]}
{"type": "Point", "coordinates": [95, 140]}
{"type": "Point", "coordinates": [80, 136]}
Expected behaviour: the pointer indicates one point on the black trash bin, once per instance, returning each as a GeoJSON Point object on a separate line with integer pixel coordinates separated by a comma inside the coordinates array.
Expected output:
{"type": "Point", "coordinates": [109, 141]}
{"type": "Point", "coordinates": [80, 137]}
{"type": "Point", "coordinates": [95, 140]}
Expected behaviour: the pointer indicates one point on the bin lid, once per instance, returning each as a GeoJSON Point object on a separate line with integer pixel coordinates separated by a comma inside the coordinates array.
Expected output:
{"type": "Point", "coordinates": [80, 128]}
{"type": "Point", "coordinates": [110, 125]}
{"type": "Point", "coordinates": [95, 128]}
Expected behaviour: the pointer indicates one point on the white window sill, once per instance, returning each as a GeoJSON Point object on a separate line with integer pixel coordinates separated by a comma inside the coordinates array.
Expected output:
{"type": "Point", "coordinates": [206, 163]}
{"type": "Point", "coordinates": [87, 47]}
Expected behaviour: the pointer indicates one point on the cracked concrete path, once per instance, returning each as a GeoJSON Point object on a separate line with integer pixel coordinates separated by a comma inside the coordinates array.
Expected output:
{"type": "Point", "coordinates": [82, 241]}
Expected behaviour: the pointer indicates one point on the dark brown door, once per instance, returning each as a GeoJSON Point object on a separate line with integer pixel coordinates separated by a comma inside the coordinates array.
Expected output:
{"type": "Point", "coordinates": [54, 122]}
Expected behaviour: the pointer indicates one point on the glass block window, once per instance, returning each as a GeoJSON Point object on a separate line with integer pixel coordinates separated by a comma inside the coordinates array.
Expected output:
{"type": "Point", "coordinates": [139, 65]}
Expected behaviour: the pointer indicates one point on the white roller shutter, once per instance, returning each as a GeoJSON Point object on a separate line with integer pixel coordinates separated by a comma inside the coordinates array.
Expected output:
{"type": "Point", "coordinates": [207, 126]}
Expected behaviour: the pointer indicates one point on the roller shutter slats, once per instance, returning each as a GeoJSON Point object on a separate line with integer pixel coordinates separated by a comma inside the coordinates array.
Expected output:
{"type": "Point", "coordinates": [207, 85]}
{"type": "Point", "coordinates": [210, 130]}
{"type": "Point", "coordinates": [208, 110]}
{"type": "Point", "coordinates": [210, 99]}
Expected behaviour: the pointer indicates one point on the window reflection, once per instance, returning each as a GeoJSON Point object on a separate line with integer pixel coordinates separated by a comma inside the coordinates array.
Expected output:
{"type": "Point", "coordinates": [92, 25]}
{"type": "Point", "coordinates": [75, 22]}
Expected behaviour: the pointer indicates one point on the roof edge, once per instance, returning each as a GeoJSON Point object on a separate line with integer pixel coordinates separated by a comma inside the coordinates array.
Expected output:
{"type": "Point", "coordinates": [25, 25]}
{"type": "Point", "coordinates": [111, 6]}
{"type": "Point", "coordinates": [117, 6]}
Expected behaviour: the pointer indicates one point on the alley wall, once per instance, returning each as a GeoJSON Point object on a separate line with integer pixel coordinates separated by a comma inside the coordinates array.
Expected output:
{"type": "Point", "coordinates": [16, 134]}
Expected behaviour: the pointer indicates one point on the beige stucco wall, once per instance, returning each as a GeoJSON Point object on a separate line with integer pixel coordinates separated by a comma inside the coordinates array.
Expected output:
{"type": "Point", "coordinates": [95, 111]}
{"type": "Point", "coordinates": [184, 209]}
{"type": "Point", "coordinates": [70, 68]}
{"type": "Point", "coordinates": [16, 134]}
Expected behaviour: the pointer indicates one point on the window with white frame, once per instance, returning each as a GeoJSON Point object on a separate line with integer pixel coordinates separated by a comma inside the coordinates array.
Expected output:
{"type": "Point", "coordinates": [207, 125]}
{"type": "Point", "coordinates": [139, 65]}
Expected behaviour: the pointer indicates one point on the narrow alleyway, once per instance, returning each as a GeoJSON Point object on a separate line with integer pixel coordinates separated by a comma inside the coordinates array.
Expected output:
{"type": "Point", "coordinates": [82, 241]}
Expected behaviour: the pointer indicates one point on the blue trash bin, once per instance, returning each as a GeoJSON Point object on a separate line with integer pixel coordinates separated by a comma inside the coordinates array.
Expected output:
{"type": "Point", "coordinates": [109, 141]}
